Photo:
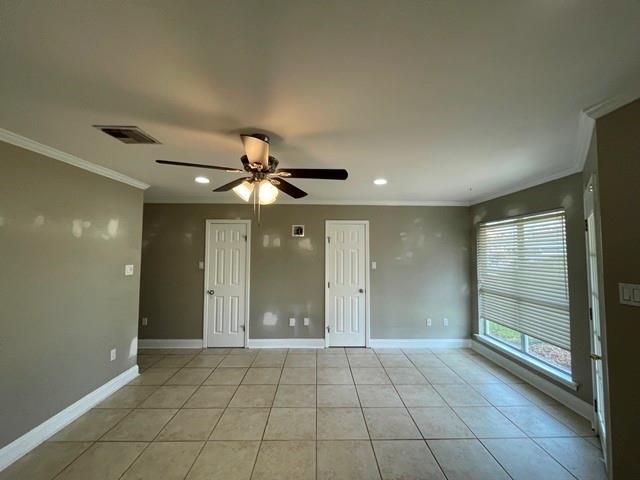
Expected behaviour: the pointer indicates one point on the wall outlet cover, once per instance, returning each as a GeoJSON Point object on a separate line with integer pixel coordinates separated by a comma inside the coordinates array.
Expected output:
{"type": "Point", "coordinates": [428, 322]}
{"type": "Point", "coordinates": [374, 265]}
{"type": "Point", "coordinates": [113, 354]}
{"type": "Point", "coordinates": [446, 322]}
{"type": "Point", "coordinates": [201, 265]}
{"type": "Point", "coordinates": [128, 270]}
{"type": "Point", "coordinates": [145, 321]}
{"type": "Point", "coordinates": [292, 322]}
{"type": "Point", "coordinates": [306, 321]}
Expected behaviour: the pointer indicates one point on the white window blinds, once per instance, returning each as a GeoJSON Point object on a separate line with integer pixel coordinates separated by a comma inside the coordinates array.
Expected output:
{"type": "Point", "coordinates": [522, 276]}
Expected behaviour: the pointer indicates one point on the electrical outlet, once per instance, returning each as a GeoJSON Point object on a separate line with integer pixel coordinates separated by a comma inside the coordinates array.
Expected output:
{"type": "Point", "coordinates": [306, 321]}
{"type": "Point", "coordinates": [292, 322]}
{"type": "Point", "coordinates": [145, 321]}
{"type": "Point", "coordinates": [446, 322]}
{"type": "Point", "coordinates": [374, 265]}
{"type": "Point", "coordinates": [113, 354]}
{"type": "Point", "coordinates": [428, 322]}
{"type": "Point", "coordinates": [128, 270]}
{"type": "Point", "coordinates": [201, 265]}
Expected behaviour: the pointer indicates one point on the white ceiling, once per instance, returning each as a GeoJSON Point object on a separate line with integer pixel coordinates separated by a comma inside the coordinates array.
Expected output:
{"type": "Point", "coordinates": [451, 101]}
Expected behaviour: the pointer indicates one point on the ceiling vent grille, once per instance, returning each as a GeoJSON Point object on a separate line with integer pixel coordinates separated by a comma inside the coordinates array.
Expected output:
{"type": "Point", "coordinates": [129, 135]}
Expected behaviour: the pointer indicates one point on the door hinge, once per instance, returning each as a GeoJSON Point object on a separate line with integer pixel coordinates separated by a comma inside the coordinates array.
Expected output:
{"type": "Point", "coordinates": [586, 225]}
{"type": "Point", "coordinates": [328, 239]}
{"type": "Point", "coordinates": [591, 314]}
{"type": "Point", "coordinates": [328, 284]}
{"type": "Point", "coordinates": [595, 405]}
{"type": "Point", "coordinates": [328, 329]}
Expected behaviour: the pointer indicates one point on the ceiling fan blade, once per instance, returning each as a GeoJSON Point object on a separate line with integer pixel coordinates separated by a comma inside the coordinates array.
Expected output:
{"type": "Point", "coordinates": [228, 186]}
{"type": "Point", "coordinates": [256, 147]}
{"type": "Point", "coordinates": [289, 189]}
{"type": "Point", "coordinates": [198, 165]}
{"type": "Point", "coordinates": [321, 173]}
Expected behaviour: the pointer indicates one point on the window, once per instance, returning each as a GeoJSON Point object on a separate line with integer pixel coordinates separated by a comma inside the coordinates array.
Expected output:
{"type": "Point", "coordinates": [523, 293]}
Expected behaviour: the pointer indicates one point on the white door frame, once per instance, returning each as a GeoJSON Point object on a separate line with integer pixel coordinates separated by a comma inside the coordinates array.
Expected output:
{"type": "Point", "coordinates": [590, 209]}
{"type": "Point", "coordinates": [209, 223]}
{"type": "Point", "coordinates": [367, 288]}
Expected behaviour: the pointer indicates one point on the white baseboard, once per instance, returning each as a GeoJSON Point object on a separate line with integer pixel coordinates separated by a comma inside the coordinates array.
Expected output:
{"type": "Point", "coordinates": [419, 343]}
{"type": "Point", "coordinates": [170, 343]}
{"type": "Point", "coordinates": [567, 399]}
{"type": "Point", "coordinates": [286, 343]}
{"type": "Point", "coordinates": [30, 440]}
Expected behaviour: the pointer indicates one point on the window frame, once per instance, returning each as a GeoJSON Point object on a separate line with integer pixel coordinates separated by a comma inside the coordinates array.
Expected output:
{"type": "Point", "coordinates": [524, 344]}
{"type": "Point", "coordinates": [521, 354]}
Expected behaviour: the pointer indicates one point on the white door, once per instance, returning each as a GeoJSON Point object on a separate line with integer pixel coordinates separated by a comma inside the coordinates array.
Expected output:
{"type": "Point", "coordinates": [594, 313]}
{"type": "Point", "coordinates": [346, 294]}
{"type": "Point", "coordinates": [226, 282]}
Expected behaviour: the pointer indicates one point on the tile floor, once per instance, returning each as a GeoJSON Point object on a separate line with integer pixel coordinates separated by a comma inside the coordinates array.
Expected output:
{"type": "Point", "coordinates": [326, 414]}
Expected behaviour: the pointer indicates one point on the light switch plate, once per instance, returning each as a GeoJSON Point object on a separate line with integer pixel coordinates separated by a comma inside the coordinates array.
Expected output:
{"type": "Point", "coordinates": [374, 265]}
{"type": "Point", "coordinates": [128, 270]}
{"type": "Point", "coordinates": [428, 322]}
{"type": "Point", "coordinates": [292, 322]}
{"type": "Point", "coordinates": [201, 265]}
{"type": "Point", "coordinates": [113, 354]}
{"type": "Point", "coordinates": [629, 294]}
{"type": "Point", "coordinates": [306, 321]}
{"type": "Point", "coordinates": [145, 321]}
{"type": "Point", "coordinates": [446, 322]}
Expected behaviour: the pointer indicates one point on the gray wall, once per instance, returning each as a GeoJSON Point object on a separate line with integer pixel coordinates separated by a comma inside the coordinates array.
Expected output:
{"type": "Point", "coordinates": [563, 193]}
{"type": "Point", "coordinates": [618, 159]}
{"type": "Point", "coordinates": [422, 269]}
{"type": "Point", "coordinates": [65, 236]}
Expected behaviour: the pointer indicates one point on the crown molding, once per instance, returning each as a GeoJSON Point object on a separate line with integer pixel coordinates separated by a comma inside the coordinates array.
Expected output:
{"type": "Point", "coordinates": [586, 128]}
{"type": "Point", "coordinates": [588, 117]}
{"type": "Point", "coordinates": [525, 185]}
{"type": "Point", "coordinates": [607, 106]}
{"type": "Point", "coordinates": [32, 145]}
{"type": "Point", "coordinates": [382, 203]}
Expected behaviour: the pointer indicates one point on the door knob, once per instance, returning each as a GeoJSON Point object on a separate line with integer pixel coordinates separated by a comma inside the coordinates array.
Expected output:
{"type": "Point", "coordinates": [361, 290]}
{"type": "Point", "coordinates": [210, 292]}
{"type": "Point", "coordinates": [595, 357]}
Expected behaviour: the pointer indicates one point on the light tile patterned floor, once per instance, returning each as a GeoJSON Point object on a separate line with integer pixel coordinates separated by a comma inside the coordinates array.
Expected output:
{"type": "Point", "coordinates": [319, 414]}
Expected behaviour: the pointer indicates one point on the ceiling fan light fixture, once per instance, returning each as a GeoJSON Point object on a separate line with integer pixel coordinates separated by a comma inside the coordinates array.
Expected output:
{"type": "Point", "coordinates": [380, 181]}
{"type": "Point", "coordinates": [267, 193]}
{"type": "Point", "coordinates": [244, 190]}
{"type": "Point", "coordinates": [200, 179]}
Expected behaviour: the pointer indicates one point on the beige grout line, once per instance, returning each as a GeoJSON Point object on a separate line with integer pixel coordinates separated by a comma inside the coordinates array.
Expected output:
{"type": "Point", "coordinates": [411, 416]}
{"type": "Point", "coordinates": [163, 427]}
{"type": "Point", "coordinates": [480, 439]}
{"type": "Point", "coordinates": [373, 450]}
{"type": "Point", "coordinates": [92, 443]}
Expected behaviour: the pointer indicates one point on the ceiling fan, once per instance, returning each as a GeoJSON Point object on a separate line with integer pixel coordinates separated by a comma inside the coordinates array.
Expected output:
{"type": "Point", "coordinates": [265, 179]}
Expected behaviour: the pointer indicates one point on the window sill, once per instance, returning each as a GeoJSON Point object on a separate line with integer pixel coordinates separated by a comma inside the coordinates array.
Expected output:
{"type": "Point", "coordinates": [540, 367]}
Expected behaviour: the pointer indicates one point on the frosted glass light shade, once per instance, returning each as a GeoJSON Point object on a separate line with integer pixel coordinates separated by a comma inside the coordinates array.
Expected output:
{"type": "Point", "coordinates": [244, 190]}
{"type": "Point", "coordinates": [267, 193]}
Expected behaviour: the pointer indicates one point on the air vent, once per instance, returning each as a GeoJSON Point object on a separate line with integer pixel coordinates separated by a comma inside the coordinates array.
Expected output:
{"type": "Point", "coordinates": [129, 135]}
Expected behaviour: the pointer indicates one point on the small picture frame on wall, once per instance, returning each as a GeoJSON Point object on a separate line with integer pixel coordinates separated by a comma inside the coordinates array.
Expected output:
{"type": "Point", "coordinates": [297, 230]}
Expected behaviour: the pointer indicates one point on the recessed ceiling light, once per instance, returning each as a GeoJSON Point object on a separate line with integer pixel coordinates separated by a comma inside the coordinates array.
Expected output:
{"type": "Point", "coordinates": [202, 179]}
{"type": "Point", "coordinates": [380, 181]}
